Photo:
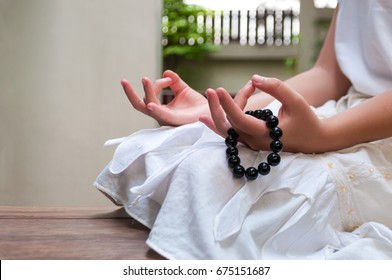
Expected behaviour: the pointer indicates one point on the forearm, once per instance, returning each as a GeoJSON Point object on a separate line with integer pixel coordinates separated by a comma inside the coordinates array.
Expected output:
{"type": "Point", "coordinates": [369, 121]}
{"type": "Point", "coordinates": [325, 81]}
{"type": "Point", "coordinates": [316, 85]}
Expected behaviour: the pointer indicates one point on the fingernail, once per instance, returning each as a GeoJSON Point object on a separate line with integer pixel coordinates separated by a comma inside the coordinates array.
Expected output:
{"type": "Point", "coordinates": [144, 80]}
{"type": "Point", "coordinates": [209, 91]}
{"type": "Point", "coordinates": [257, 79]}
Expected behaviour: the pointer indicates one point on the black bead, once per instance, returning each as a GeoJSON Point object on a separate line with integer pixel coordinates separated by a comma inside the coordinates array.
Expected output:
{"type": "Point", "coordinates": [276, 133]}
{"type": "Point", "coordinates": [264, 168]}
{"type": "Point", "coordinates": [273, 159]}
{"type": "Point", "coordinates": [249, 112]}
{"type": "Point", "coordinates": [251, 173]}
{"type": "Point", "coordinates": [272, 121]}
{"type": "Point", "coordinates": [258, 113]}
{"type": "Point", "coordinates": [238, 171]}
{"type": "Point", "coordinates": [232, 133]}
{"type": "Point", "coordinates": [265, 114]}
{"type": "Point", "coordinates": [230, 141]}
{"type": "Point", "coordinates": [276, 146]}
{"type": "Point", "coordinates": [231, 150]}
{"type": "Point", "coordinates": [233, 161]}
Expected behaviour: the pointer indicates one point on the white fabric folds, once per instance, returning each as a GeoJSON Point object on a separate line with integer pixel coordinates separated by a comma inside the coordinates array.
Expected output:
{"type": "Point", "coordinates": [328, 206]}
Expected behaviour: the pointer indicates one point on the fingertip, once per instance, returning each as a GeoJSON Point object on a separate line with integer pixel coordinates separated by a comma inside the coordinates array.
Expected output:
{"type": "Point", "coordinates": [222, 92]}
{"type": "Point", "coordinates": [123, 82]}
{"type": "Point", "coordinates": [266, 84]}
{"type": "Point", "coordinates": [209, 92]}
{"type": "Point", "coordinates": [257, 79]}
{"type": "Point", "coordinates": [170, 74]}
{"type": "Point", "coordinates": [150, 106]}
{"type": "Point", "coordinates": [250, 84]}
{"type": "Point", "coordinates": [167, 72]}
{"type": "Point", "coordinates": [162, 83]}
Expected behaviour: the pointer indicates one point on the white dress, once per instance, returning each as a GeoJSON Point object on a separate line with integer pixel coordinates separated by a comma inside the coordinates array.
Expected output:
{"type": "Point", "coordinates": [328, 206]}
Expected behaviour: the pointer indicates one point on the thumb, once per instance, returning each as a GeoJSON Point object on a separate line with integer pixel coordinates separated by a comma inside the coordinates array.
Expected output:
{"type": "Point", "coordinates": [160, 84]}
{"type": "Point", "coordinates": [278, 89]}
{"type": "Point", "coordinates": [177, 84]}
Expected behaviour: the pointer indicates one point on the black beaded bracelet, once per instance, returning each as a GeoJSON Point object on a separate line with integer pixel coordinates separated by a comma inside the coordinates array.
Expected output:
{"type": "Point", "coordinates": [276, 146]}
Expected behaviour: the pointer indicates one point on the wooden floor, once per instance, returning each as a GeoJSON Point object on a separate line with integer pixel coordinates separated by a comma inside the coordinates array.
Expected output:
{"type": "Point", "coordinates": [71, 233]}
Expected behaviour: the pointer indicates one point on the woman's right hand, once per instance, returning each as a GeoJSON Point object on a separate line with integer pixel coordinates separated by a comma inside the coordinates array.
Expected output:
{"type": "Point", "coordinates": [186, 106]}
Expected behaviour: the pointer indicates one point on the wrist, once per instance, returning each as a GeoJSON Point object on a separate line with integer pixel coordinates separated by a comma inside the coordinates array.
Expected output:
{"type": "Point", "coordinates": [330, 138]}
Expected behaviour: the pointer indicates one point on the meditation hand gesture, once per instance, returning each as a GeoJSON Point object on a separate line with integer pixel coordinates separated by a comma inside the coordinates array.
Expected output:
{"type": "Point", "coordinates": [186, 106]}
{"type": "Point", "coordinates": [302, 129]}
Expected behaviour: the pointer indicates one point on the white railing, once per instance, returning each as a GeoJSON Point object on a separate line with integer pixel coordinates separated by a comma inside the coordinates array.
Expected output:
{"type": "Point", "coordinates": [263, 26]}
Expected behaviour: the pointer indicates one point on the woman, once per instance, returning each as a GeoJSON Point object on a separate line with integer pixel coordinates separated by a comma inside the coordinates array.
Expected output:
{"type": "Point", "coordinates": [332, 190]}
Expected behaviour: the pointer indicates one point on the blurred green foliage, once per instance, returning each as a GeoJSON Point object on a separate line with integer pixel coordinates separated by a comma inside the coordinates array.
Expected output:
{"type": "Point", "coordinates": [182, 35]}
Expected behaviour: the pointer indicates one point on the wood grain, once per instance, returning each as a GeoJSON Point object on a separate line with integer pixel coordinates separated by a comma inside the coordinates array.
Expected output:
{"type": "Point", "coordinates": [71, 233]}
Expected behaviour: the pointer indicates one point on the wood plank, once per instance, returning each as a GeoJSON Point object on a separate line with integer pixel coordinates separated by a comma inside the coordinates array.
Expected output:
{"type": "Point", "coordinates": [13, 212]}
{"type": "Point", "coordinates": [71, 233]}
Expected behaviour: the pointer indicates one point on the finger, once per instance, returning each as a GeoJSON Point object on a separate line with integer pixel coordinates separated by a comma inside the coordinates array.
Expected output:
{"type": "Point", "coordinates": [221, 125]}
{"type": "Point", "coordinates": [162, 114]}
{"type": "Point", "coordinates": [241, 98]}
{"type": "Point", "coordinates": [231, 109]}
{"type": "Point", "coordinates": [209, 122]}
{"type": "Point", "coordinates": [278, 89]}
{"type": "Point", "coordinates": [245, 125]}
{"type": "Point", "coordinates": [177, 85]}
{"type": "Point", "coordinates": [150, 95]}
{"type": "Point", "coordinates": [160, 84]}
{"type": "Point", "coordinates": [133, 97]}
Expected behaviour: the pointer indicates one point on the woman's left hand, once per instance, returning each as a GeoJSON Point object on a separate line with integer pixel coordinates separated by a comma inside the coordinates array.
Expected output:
{"type": "Point", "coordinates": [302, 129]}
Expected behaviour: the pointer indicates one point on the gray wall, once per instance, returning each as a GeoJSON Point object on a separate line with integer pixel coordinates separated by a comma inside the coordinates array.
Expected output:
{"type": "Point", "coordinates": [61, 62]}
{"type": "Point", "coordinates": [232, 66]}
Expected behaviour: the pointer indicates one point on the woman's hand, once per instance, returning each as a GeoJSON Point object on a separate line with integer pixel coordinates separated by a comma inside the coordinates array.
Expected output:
{"type": "Point", "coordinates": [217, 115]}
{"type": "Point", "coordinates": [186, 106]}
{"type": "Point", "coordinates": [302, 130]}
